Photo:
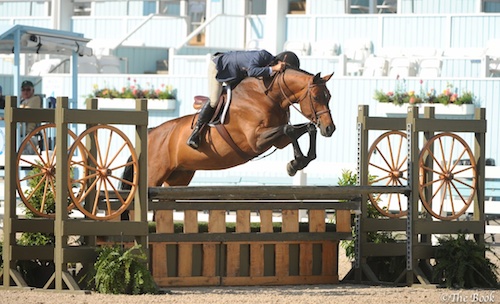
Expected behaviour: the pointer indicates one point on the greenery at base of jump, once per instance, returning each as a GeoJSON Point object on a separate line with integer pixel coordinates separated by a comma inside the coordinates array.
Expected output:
{"type": "Point", "coordinates": [387, 268]}
{"type": "Point", "coordinates": [122, 271]}
{"type": "Point", "coordinates": [461, 263]}
{"type": "Point", "coordinates": [37, 272]}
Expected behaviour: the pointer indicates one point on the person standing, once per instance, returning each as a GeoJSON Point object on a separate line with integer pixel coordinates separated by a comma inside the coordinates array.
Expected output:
{"type": "Point", "coordinates": [29, 100]}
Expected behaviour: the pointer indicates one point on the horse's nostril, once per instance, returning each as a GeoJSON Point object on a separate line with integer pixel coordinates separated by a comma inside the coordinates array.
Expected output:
{"type": "Point", "coordinates": [330, 129]}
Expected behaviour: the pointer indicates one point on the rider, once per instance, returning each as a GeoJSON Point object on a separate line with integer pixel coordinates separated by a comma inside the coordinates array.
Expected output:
{"type": "Point", "coordinates": [232, 67]}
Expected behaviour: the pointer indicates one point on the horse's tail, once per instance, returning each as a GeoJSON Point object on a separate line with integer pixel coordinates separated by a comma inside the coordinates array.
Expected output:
{"type": "Point", "coordinates": [128, 174]}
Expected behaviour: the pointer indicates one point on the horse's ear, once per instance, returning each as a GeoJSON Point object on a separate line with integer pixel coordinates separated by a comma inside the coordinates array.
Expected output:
{"type": "Point", "coordinates": [318, 78]}
{"type": "Point", "coordinates": [327, 77]}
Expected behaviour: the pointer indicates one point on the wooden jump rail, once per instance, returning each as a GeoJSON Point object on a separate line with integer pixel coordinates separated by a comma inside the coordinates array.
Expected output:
{"type": "Point", "coordinates": [291, 255]}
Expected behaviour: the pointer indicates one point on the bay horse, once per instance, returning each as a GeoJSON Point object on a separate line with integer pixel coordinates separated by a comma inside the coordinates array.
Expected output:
{"type": "Point", "coordinates": [257, 120]}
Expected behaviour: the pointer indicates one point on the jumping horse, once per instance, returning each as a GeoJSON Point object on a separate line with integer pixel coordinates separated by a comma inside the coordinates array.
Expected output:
{"type": "Point", "coordinates": [257, 120]}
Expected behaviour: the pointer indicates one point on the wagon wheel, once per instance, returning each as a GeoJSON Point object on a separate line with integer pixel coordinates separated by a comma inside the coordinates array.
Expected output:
{"type": "Point", "coordinates": [112, 149]}
{"type": "Point", "coordinates": [387, 166]}
{"type": "Point", "coordinates": [442, 190]}
{"type": "Point", "coordinates": [37, 187]}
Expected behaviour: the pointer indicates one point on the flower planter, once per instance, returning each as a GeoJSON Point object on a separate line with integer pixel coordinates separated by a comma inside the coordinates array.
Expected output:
{"type": "Point", "coordinates": [440, 110]}
{"type": "Point", "coordinates": [122, 103]}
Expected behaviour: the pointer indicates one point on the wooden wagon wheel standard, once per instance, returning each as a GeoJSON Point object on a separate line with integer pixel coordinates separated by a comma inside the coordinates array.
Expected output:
{"type": "Point", "coordinates": [387, 166]}
{"type": "Point", "coordinates": [106, 160]}
{"type": "Point", "coordinates": [37, 188]}
{"type": "Point", "coordinates": [442, 190]}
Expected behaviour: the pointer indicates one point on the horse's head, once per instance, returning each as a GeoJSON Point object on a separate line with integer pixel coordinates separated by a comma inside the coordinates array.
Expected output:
{"type": "Point", "coordinates": [313, 98]}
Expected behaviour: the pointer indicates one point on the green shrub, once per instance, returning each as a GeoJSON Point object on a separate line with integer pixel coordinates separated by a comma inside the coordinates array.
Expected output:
{"type": "Point", "coordinates": [37, 272]}
{"type": "Point", "coordinates": [461, 263]}
{"type": "Point", "coordinates": [120, 271]}
{"type": "Point", "coordinates": [387, 268]}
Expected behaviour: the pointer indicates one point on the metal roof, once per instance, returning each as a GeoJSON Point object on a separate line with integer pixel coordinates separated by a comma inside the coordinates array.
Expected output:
{"type": "Point", "coordinates": [16, 39]}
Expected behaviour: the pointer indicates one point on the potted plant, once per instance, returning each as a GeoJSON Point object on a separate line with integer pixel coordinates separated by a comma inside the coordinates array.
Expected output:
{"type": "Point", "coordinates": [120, 271]}
{"type": "Point", "coordinates": [162, 98]}
{"type": "Point", "coordinates": [461, 263]}
{"type": "Point", "coordinates": [448, 102]}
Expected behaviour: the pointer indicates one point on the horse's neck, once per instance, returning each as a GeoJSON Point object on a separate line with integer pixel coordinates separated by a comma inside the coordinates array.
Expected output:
{"type": "Point", "coordinates": [290, 86]}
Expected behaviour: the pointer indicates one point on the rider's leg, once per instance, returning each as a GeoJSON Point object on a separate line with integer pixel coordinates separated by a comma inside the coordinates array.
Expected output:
{"type": "Point", "coordinates": [208, 109]}
{"type": "Point", "coordinates": [203, 118]}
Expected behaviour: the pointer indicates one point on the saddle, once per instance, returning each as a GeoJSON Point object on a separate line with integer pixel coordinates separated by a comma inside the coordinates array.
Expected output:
{"type": "Point", "coordinates": [217, 120]}
{"type": "Point", "coordinates": [222, 106]}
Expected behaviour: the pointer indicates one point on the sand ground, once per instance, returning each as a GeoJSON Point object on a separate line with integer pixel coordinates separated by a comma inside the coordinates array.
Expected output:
{"type": "Point", "coordinates": [322, 294]}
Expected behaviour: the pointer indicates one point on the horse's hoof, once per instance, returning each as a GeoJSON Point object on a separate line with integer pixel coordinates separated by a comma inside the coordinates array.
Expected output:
{"type": "Point", "coordinates": [290, 169]}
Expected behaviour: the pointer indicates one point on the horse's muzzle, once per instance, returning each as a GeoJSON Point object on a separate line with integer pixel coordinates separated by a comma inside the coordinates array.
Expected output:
{"type": "Point", "coordinates": [327, 131]}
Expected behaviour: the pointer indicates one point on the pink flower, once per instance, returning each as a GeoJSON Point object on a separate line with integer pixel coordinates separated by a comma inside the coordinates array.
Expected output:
{"type": "Point", "coordinates": [390, 93]}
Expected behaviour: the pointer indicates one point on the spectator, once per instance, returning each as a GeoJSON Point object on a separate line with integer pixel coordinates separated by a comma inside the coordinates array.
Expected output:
{"type": "Point", "coordinates": [29, 100]}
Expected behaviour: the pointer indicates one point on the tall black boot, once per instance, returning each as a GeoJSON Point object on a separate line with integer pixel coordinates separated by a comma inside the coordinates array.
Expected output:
{"type": "Point", "coordinates": [204, 117]}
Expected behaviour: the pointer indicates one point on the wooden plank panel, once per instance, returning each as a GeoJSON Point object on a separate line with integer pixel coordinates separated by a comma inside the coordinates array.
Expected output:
{"type": "Point", "coordinates": [185, 260]}
{"type": "Point", "coordinates": [305, 260]}
{"type": "Point", "coordinates": [209, 260]}
{"type": "Point", "coordinates": [290, 220]}
{"type": "Point", "coordinates": [343, 218]}
{"type": "Point", "coordinates": [278, 280]}
{"type": "Point", "coordinates": [233, 260]}
{"type": "Point", "coordinates": [317, 221]}
{"type": "Point", "coordinates": [164, 221]}
{"type": "Point", "coordinates": [329, 256]}
{"type": "Point", "coordinates": [266, 221]}
{"type": "Point", "coordinates": [243, 221]}
{"type": "Point", "coordinates": [159, 260]}
{"type": "Point", "coordinates": [217, 221]}
{"type": "Point", "coordinates": [282, 259]}
{"type": "Point", "coordinates": [191, 221]}
{"type": "Point", "coordinates": [256, 259]}
{"type": "Point", "coordinates": [187, 281]}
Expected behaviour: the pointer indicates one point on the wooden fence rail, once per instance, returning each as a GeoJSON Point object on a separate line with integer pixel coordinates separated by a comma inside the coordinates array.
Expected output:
{"type": "Point", "coordinates": [270, 247]}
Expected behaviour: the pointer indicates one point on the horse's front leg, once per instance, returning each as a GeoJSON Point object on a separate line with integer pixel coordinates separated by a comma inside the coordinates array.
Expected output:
{"type": "Point", "coordinates": [300, 161]}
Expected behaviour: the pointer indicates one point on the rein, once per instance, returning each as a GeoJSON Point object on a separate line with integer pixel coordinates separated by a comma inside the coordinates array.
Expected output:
{"type": "Point", "coordinates": [281, 84]}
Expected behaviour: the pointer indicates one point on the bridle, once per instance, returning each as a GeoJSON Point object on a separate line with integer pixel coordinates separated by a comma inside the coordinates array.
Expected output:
{"type": "Point", "coordinates": [280, 79]}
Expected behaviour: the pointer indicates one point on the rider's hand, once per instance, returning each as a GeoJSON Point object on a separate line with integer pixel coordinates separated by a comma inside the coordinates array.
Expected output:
{"type": "Point", "coordinates": [280, 66]}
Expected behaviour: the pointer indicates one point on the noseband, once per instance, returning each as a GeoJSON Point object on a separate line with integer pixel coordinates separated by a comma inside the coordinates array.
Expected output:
{"type": "Point", "coordinates": [281, 84]}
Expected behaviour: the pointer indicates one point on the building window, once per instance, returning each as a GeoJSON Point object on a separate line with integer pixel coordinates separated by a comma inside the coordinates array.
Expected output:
{"type": "Point", "coordinates": [297, 7]}
{"type": "Point", "coordinates": [491, 6]}
{"type": "Point", "coordinates": [81, 8]}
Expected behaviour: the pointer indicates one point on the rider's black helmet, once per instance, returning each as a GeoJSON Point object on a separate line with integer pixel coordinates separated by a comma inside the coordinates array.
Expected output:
{"type": "Point", "coordinates": [290, 58]}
